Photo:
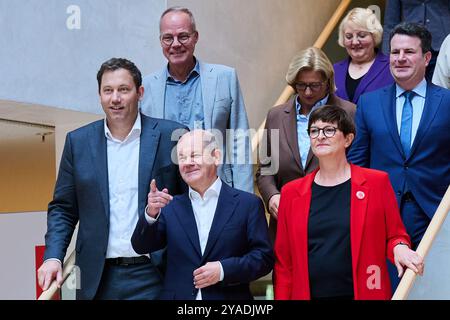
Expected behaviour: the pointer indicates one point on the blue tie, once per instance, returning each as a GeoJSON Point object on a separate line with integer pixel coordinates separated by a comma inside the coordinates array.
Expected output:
{"type": "Point", "coordinates": [406, 125]}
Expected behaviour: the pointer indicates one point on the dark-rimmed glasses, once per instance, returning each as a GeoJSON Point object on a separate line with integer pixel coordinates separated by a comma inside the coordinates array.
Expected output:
{"type": "Point", "coordinates": [328, 131]}
{"type": "Point", "coordinates": [183, 38]}
{"type": "Point", "coordinates": [313, 86]}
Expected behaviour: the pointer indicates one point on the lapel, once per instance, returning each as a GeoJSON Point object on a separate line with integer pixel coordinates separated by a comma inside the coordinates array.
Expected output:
{"type": "Point", "coordinates": [147, 151]}
{"type": "Point", "coordinates": [340, 77]}
{"type": "Point", "coordinates": [358, 210]}
{"type": "Point", "coordinates": [158, 90]}
{"type": "Point", "coordinates": [388, 106]}
{"type": "Point", "coordinates": [432, 103]}
{"type": "Point", "coordinates": [97, 143]}
{"type": "Point", "coordinates": [185, 214]}
{"type": "Point", "coordinates": [226, 206]}
{"type": "Point", "coordinates": [290, 130]}
{"type": "Point", "coordinates": [208, 82]}
{"type": "Point", "coordinates": [374, 71]}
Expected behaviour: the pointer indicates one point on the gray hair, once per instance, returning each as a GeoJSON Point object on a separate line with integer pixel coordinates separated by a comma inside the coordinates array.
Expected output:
{"type": "Point", "coordinates": [180, 9]}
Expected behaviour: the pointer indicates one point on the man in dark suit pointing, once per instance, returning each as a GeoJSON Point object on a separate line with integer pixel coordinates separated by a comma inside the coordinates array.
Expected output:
{"type": "Point", "coordinates": [216, 236]}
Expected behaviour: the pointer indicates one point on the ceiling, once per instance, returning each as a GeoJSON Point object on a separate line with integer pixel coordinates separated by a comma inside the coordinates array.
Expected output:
{"type": "Point", "coordinates": [22, 123]}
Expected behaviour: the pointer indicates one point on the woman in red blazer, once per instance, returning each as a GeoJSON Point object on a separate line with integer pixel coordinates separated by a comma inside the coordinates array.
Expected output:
{"type": "Point", "coordinates": [338, 224]}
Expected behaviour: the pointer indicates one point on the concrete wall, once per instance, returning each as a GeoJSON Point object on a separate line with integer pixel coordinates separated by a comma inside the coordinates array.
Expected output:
{"type": "Point", "coordinates": [19, 234]}
{"type": "Point", "coordinates": [54, 48]}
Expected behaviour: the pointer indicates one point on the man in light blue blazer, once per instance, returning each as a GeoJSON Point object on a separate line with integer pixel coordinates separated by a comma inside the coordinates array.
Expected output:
{"type": "Point", "coordinates": [103, 183]}
{"type": "Point", "coordinates": [200, 96]}
{"type": "Point", "coordinates": [403, 129]}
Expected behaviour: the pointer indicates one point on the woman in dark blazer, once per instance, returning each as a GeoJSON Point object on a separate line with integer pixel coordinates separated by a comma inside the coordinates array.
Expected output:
{"type": "Point", "coordinates": [367, 68]}
{"type": "Point", "coordinates": [288, 152]}
{"type": "Point", "coordinates": [338, 224]}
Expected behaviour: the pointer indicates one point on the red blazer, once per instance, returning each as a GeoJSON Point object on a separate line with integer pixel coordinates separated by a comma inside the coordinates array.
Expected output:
{"type": "Point", "coordinates": [375, 228]}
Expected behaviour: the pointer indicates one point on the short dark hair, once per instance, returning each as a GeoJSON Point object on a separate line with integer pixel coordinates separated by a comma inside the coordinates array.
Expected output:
{"type": "Point", "coordinates": [414, 30]}
{"type": "Point", "coordinates": [120, 63]}
{"type": "Point", "coordinates": [333, 114]}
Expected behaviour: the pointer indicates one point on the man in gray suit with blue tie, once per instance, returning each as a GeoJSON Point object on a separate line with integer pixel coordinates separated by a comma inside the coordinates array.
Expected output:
{"type": "Point", "coordinates": [200, 96]}
{"type": "Point", "coordinates": [103, 184]}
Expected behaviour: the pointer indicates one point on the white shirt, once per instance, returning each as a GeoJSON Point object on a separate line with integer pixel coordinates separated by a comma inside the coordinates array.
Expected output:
{"type": "Point", "coordinates": [123, 166]}
{"type": "Point", "coordinates": [204, 211]}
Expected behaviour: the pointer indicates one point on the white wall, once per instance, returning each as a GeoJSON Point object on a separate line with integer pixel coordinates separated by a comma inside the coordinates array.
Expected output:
{"type": "Point", "coordinates": [20, 233]}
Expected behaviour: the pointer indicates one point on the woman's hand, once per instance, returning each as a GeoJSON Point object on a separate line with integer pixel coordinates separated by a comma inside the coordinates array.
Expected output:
{"type": "Point", "coordinates": [405, 257]}
{"type": "Point", "coordinates": [274, 202]}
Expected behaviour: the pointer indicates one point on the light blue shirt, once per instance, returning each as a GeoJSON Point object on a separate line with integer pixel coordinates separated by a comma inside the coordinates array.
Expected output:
{"type": "Point", "coordinates": [302, 127]}
{"type": "Point", "coordinates": [418, 104]}
{"type": "Point", "coordinates": [183, 100]}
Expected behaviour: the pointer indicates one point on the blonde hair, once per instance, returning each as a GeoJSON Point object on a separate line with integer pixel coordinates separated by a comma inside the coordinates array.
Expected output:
{"type": "Point", "coordinates": [364, 19]}
{"type": "Point", "coordinates": [313, 59]}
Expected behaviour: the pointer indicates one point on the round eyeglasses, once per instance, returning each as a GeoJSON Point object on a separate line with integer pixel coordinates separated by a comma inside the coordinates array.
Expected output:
{"type": "Point", "coordinates": [183, 38]}
{"type": "Point", "coordinates": [313, 86]}
{"type": "Point", "coordinates": [328, 131]}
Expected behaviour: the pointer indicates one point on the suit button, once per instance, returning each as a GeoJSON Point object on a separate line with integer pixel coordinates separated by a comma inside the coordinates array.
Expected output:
{"type": "Point", "coordinates": [399, 193]}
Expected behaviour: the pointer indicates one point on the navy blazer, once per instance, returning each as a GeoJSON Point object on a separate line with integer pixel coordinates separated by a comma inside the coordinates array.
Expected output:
{"type": "Point", "coordinates": [377, 145]}
{"type": "Point", "coordinates": [433, 14]}
{"type": "Point", "coordinates": [82, 193]}
{"type": "Point", "coordinates": [238, 239]}
{"type": "Point", "coordinates": [378, 76]}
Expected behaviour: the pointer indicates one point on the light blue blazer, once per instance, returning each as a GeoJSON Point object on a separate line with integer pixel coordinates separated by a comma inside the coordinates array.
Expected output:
{"type": "Point", "coordinates": [223, 107]}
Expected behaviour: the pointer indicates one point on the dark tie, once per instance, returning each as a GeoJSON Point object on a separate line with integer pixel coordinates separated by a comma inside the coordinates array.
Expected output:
{"type": "Point", "coordinates": [406, 124]}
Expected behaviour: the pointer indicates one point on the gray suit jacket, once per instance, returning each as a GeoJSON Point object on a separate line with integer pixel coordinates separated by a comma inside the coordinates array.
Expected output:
{"type": "Point", "coordinates": [224, 109]}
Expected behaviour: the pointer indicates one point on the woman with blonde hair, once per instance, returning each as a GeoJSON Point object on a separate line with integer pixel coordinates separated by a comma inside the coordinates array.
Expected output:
{"type": "Point", "coordinates": [367, 68]}
{"type": "Point", "coordinates": [311, 75]}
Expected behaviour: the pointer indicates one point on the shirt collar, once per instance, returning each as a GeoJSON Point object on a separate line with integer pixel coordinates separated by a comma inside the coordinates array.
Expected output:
{"type": "Point", "coordinates": [318, 104]}
{"type": "Point", "coordinates": [213, 190]}
{"type": "Point", "coordinates": [419, 90]}
{"type": "Point", "coordinates": [135, 130]}
{"type": "Point", "coordinates": [195, 71]}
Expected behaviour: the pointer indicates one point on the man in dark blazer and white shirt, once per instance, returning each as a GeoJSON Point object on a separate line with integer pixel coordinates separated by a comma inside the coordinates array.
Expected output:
{"type": "Point", "coordinates": [103, 183]}
{"type": "Point", "coordinates": [216, 236]}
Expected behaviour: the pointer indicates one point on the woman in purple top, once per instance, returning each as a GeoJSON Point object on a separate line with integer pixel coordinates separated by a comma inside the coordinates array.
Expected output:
{"type": "Point", "coordinates": [366, 69]}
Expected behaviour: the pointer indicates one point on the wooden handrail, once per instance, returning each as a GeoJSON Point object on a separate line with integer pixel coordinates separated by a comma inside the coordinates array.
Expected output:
{"type": "Point", "coordinates": [439, 217]}
{"type": "Point", "coordinates": [69, 264]}
{"type": "Point", "coordinates": [323, 37]}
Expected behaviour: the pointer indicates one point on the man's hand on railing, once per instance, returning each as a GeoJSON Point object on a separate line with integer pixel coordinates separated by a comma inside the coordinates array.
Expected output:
{"type": "Point", "coordinates": [50, 270]}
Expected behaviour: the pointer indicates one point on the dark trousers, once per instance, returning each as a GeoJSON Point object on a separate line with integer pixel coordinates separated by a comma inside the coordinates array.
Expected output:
{"type": "Point", "coordinates": [416, 222]}
{"type": "Point", "coordinates": [129, 282]}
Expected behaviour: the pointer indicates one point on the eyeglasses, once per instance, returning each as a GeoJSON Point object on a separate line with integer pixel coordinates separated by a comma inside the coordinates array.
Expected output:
{"type": "Point", "coordinates": [314, 86]}
{"type": "Point", "coordinates": [183, 38]}
{"type": "Point", "coordinates": [328, 131]}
